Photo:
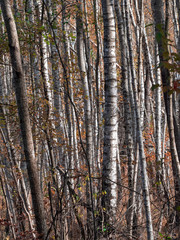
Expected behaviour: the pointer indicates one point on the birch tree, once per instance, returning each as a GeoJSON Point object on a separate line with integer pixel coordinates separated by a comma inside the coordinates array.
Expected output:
{"type": "Point", "coordinates": [94, 184]}
{"type": "Point", "coordinates": [149, 226]}
{"type": "Point", "coordinates": [128, 117]}
{"type": "Point", "coordinates": [87, 106]}
{"type": "Point", "coordinates": [22, 103]}
{"type": "Point", "coordinates": [109, 174]}
{"type": "Point", "coordinates": [161, 33]}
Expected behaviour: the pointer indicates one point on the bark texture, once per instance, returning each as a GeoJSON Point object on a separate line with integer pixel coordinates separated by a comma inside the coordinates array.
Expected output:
{"type": "Point", "coordinates": [161, 35]}
{"type": "Point", "coordinates": [109, 174]}
{"type": "Point", "coordinates": [21, 98]}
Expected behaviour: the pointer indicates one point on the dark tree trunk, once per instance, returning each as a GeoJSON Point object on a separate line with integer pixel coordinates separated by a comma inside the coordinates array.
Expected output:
{"type": "Point", "coordinates": [22, 103]}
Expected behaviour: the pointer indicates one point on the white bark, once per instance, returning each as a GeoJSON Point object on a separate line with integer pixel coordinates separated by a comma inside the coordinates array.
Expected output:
{"type": "Point", "coordinates": [109, 173]}
{"type": "Point", "coordinates": [145, 187]}
{"type": "Point", "coordinates": [158, 12]}
{"type": "Point", "coordinates": [22, 103]}
{"type": "Point", "coordinates": [158, 121]}
{"type": "Point", "coordinates": [87, 108]}
{"type": "Point", "coordinates": [128, 118]}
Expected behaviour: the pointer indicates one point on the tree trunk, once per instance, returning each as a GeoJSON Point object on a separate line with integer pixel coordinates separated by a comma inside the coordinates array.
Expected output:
{"type": "Point", "coordinates": [25, 125]}
{"type": "Point", "coordinates": [87, 107]}
{"type": "Point", "coordinates": [161, 35]}
{"type": "Point", "coordinates": [109, 174]}
{"type": "Point", "coordinates": [127, 116]}
{"type": "Point", "coordinates": [144, 175]}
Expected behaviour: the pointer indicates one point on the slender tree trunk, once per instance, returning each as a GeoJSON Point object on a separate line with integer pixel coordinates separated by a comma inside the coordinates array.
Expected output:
{"type": "Point", "coordinates": [87, 106]}
{"type": "Point", "coordinates": [8, 204]}
{"type": "Point", "coordinates": [144, 175]}
{"type": "Point", "coordinates": [97, 77]}
{"type": "Point", "coordinates": [20, 183]}
{"type": "Point", "coordinates": [140, 64]}
{"type": "Point", "coordinates": [25, 125]}
{"type": "Point", "coordinates": [109, 174]}
{"type": "Point", "coordinates": [161, 29]}
{"type": "Point", "coordinates": [158, 123]}
{"type": "Point", "coordinates": [57, 101]}
{"type": "Point", "coordinates": [127, 115]}
{"type": "Point", "coordinates": [67, 88]}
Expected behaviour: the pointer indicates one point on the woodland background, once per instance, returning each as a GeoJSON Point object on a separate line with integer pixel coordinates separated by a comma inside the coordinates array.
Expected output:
{"type": "Point", "coordinates": [90, 119]}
